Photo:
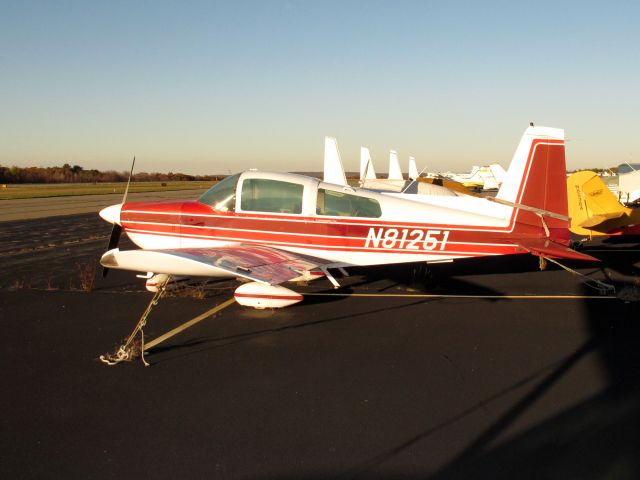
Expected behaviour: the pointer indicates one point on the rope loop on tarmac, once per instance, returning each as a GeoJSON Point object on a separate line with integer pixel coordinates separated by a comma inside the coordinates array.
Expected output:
{"type": "Point", "coordinates": [126, 353]}
{"type": "Point", "coordinates": [121, 355]}
{"type": "Point", "coordinates": [129, 350]}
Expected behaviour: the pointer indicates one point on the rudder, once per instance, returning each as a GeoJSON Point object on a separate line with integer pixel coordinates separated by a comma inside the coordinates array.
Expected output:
{"type": "Point", "coordinates": [537, 178]}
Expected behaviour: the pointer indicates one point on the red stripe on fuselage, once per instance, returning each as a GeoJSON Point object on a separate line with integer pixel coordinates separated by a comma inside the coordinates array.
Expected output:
{"type": "Point", "coordinates": [193, 220]}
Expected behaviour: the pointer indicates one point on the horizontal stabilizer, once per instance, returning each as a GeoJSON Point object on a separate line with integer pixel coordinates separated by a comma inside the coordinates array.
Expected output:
{"type": "Point", "coordinates": [594, 221]}
{"type": "Point", "coordinates": [546, 247]}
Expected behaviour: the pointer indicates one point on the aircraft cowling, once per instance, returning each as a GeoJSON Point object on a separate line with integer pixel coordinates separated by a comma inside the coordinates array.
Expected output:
{"type": "Point", "coordinates": [260, 296]}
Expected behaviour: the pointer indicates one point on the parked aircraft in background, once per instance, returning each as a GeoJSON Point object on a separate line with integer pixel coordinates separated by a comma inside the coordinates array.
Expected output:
{"type": "Point", "coordinates": [488, 177]}
{"type": "Point", "coordinates": [485, 178]}
{"type": "Point", "coordinates": [413, 169]}
{"type": "Point", "coordinates": [451, 185]}
{"type": "Point", "coordinates": [594, 209]}
{"type": "Point", "coordinates": [369, 180]}
{"type": "Point", "coordinates": [271, 228]}
{"type": "Point", "coordinates": [629, 182]}
{"type": "Point", "coordinates": [367, 172]}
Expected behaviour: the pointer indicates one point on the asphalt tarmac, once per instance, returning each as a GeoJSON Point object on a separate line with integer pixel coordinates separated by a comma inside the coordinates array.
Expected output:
{"type": "Point", "coordinates": [438, 373]}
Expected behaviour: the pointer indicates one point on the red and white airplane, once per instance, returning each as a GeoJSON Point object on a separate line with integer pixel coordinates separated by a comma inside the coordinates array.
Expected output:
{"type": "Point", "coordinates": [272, 228]}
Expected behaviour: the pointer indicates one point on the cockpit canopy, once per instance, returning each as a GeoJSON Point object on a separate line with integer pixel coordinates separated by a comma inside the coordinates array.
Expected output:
{"type": "Point", "coordinates": [287, 194]}
{"type": "Point", "coordinates": [222, 196]}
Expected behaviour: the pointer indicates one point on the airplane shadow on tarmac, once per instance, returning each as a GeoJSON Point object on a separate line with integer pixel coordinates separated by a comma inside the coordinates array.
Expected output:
{"type": "Point", "coordinates": [444, 278]}
{"type": "Point", "coordinates": [390, 273]}
{"type": "Point", "coordinates": [209, 343]}
{"type": "Point", "coordinates": [596, 439]}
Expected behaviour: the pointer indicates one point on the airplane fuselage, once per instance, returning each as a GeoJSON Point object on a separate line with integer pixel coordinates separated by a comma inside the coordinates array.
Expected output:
{"type": "Point", "coordinates": [393, 230]}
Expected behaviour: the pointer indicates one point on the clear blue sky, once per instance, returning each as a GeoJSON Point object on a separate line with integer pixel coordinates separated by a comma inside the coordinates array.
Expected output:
{"type": "Point", "coordinates": [209, 87]}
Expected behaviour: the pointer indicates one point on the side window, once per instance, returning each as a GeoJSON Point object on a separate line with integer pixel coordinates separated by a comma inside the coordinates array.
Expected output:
{"type": "Point", "coordinates": [346, 205]}
{"type": "Point", "coordinates": [222, 196]}
{"type": "Point", "coordinates": [264, 195]}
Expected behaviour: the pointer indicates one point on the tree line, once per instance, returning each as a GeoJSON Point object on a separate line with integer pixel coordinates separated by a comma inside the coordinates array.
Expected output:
{"type": "Point", "coordinates": [77, 174]}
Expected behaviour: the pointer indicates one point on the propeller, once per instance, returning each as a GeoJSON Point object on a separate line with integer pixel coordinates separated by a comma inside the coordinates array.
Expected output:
{"type": "Point", "coordinates": [116, 231]}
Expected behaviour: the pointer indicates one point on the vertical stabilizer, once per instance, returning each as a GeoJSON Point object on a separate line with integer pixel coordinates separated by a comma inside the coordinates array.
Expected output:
{"type": "Point", "coordinates": [333, 171]}
{"type": "Point", "coordinates": [499, 173]}
{"type": "Point", "coordinates": [413, 169]}
{"type": "Point", "coordinates": [537, 168]}
{"type": "Point", "coordinates": [537, 178]}
{"type": "Point", "coordinates": [367, 172]}
{"type": "Point", "coordinates": [395, 173]}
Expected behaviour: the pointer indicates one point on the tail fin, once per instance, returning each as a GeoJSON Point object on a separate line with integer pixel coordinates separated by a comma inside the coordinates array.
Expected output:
{"type": "Point", "coordinates": [498, 172]}
{"type": "Point", "coordinates": [594, 209]}
{"type": "Point", "coordinates": [395, 172]}
{"type": "Point", "coordinates": [537, 178]}
{"type": "Point", "coordinates": [413, 169]}
{"type": "Point", "coordinates": [367, 172]}
{"type": "Point", "coordinates": [333, 170]}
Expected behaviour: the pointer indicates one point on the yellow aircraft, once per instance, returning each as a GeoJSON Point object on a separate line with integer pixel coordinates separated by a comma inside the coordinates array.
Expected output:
{"type": "Point", "coordinates": [595, 210]}
{"type": "Point", "coordinates": [447, 183]}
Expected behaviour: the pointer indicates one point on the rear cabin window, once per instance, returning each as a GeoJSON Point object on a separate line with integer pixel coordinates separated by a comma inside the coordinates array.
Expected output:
{"type": "Point", "coordinates": [346, 205]}
{"type": "Point", "coordinates": [222, 196]}
{"type": "Point", "coordinates": [264, 195]}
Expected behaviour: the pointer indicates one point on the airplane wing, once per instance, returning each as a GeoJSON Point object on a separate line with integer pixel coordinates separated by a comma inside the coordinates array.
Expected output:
{"type": "Point", "coordinates": [546, 247]}
{"type": "Point", "coordinates": [255, 262]}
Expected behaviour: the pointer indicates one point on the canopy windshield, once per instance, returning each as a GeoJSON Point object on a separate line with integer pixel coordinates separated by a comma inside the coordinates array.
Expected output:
{"type": "Point", "coordinates": [222, 196]}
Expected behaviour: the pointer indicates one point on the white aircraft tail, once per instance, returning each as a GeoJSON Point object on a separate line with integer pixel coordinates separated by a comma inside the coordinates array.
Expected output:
{"type": "Point", "coordinates": [536, 181]}
{"type": "Point", "coordinates": [498, 172]}
{"type": "Point", "coordinates": [367, 172]}
{"type": "Point", "coordinates": [333, 170]}
{"type": "Point", "coordinates": [395, 173]}
{"type": "Point", "coordinates": [517, 176]}
{"type": "Point", "coordinates": [413, 169]}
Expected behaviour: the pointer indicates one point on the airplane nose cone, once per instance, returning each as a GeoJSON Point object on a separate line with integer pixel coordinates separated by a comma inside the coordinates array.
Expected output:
{"type": "Point", "coordinates": [111, 213]}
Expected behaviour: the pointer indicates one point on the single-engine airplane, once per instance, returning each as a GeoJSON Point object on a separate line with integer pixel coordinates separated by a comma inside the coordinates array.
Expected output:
{"type": "Point", "coordinates": [487, 177]}
{"type": "Point", "coordinates": [272, 228]}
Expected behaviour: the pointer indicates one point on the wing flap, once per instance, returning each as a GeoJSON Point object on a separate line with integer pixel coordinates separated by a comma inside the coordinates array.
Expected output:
{"type": "Point", "coordinates": [254, 262]}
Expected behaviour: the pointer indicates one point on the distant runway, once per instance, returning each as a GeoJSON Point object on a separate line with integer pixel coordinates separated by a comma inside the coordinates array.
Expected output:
{"type": "Point", "coordinates": [483, 369]}
{"type": "Point", "coordinates": [24, 209]}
